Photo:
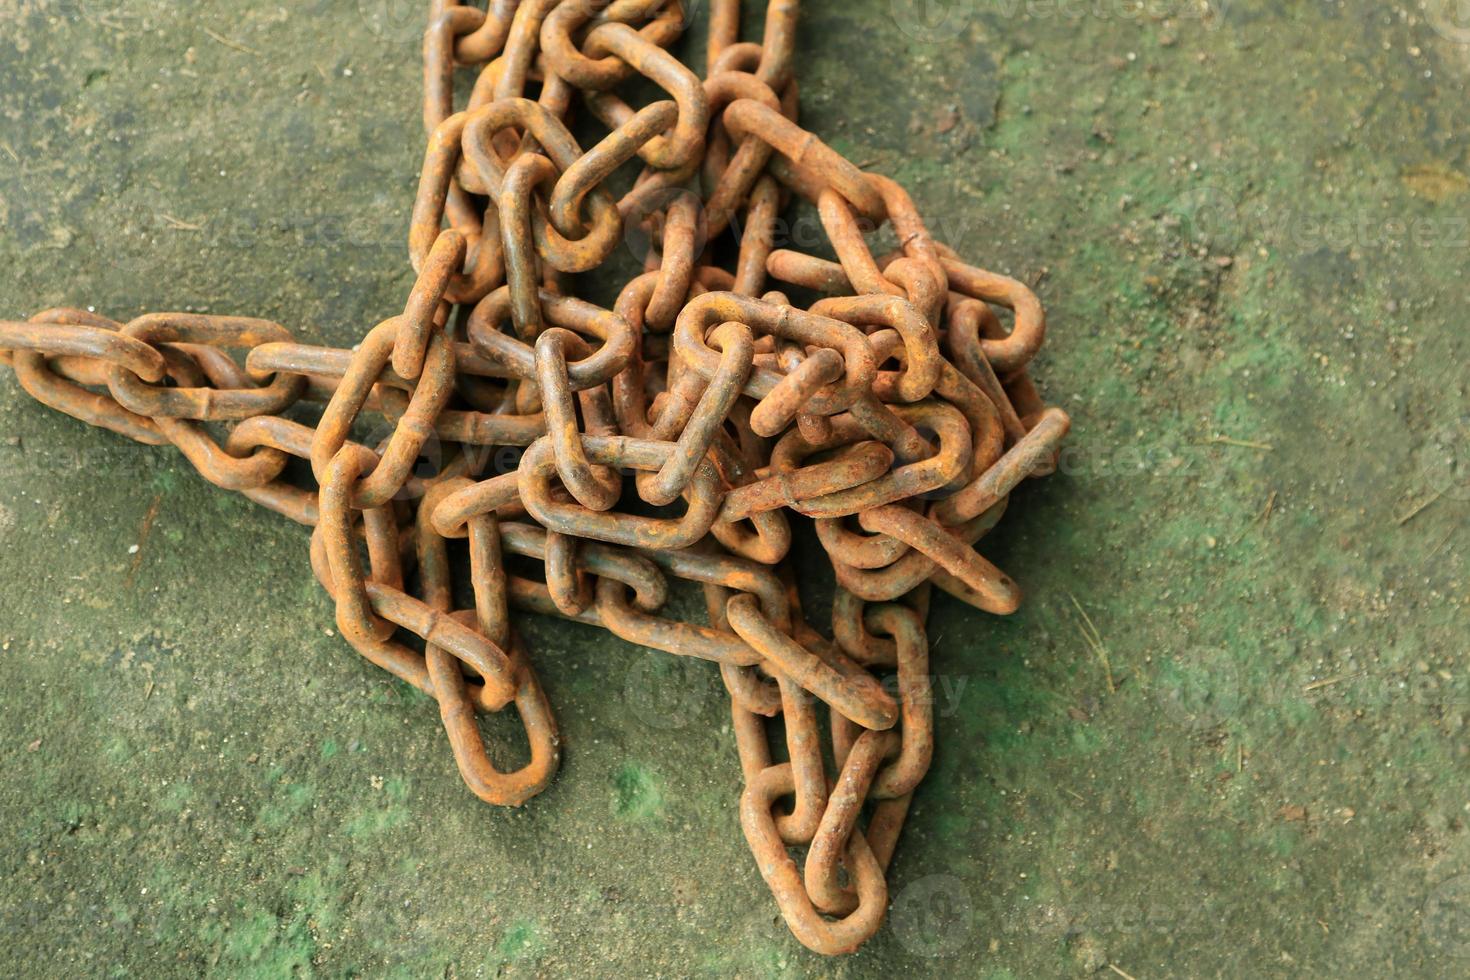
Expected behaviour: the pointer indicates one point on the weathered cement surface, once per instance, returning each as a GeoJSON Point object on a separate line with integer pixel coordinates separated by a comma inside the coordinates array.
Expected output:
{"type": "Point", "coordinates": [1249, 229]}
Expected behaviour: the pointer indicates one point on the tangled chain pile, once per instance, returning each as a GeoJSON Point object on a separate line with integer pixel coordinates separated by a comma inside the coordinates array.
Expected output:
{"type": "Point", "coordinates": [896, 413]}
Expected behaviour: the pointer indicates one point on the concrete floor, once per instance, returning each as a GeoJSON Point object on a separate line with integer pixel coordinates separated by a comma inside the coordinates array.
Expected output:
{"type": "Point", "coordinates": [1248, 222]}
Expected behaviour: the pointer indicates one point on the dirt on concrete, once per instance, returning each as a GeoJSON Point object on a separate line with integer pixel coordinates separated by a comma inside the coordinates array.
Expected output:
{"type": "Point", "coordinates": [1225, 736]}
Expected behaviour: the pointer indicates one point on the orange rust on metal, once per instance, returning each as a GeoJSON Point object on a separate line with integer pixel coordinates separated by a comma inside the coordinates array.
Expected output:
{"type": "Point", "coordinates": [690, 434]}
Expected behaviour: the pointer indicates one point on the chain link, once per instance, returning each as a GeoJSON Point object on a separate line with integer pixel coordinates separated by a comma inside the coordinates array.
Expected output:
{"type": "Point", "coordinates": [895, 411]}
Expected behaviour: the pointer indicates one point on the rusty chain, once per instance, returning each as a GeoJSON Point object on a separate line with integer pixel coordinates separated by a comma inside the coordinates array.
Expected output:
{"type": "Point", "coordinates": [895, 412]}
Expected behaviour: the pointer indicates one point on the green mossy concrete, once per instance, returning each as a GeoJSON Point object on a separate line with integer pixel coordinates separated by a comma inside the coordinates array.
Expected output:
{"type": "Point", "coordinates": [1248, 225]}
